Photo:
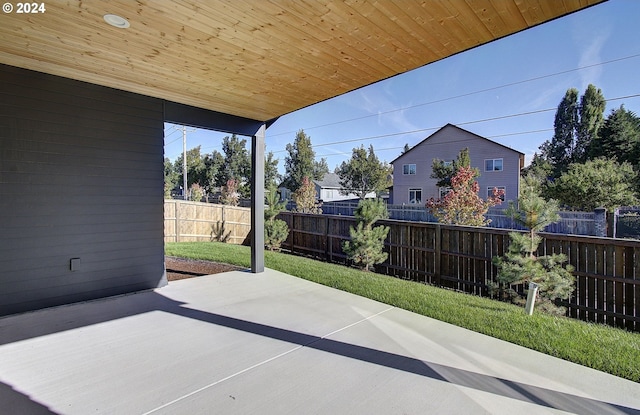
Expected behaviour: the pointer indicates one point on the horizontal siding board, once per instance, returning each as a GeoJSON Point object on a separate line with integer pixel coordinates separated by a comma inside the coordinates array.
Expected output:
{"type": "Point", "coordinates": [92, 264]}
{"type": "Point", "coordinates": [101, 128]}
{"type": "Point", "coordinates": [81, 176]}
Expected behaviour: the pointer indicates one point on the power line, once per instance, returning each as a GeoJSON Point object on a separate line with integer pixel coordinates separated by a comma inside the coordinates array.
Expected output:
{"type": "Point", "coordinates": [377, 137]}
{"type": "Point", "coordinates": [537, 78]}
{"type": "Point", "coordinates": [454, 141]}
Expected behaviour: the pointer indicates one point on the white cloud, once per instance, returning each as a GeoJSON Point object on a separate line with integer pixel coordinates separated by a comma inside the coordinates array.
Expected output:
{"type": "Point", "coordinates": [590, 49]}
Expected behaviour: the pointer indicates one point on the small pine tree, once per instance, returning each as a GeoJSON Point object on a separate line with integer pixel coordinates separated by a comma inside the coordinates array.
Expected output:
{"type": "Point", "coordinates": [367, 242]}
{"type": "Point", "coordinates": [275, 230]}
{"type": "Point", "coordinates": [305, 198]}
{"type": "Point", "coordinates": [521, 264]}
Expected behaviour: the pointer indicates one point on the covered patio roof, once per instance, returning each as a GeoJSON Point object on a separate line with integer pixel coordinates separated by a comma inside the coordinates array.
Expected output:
{"type": "Point", "coordinates": [256, 59]}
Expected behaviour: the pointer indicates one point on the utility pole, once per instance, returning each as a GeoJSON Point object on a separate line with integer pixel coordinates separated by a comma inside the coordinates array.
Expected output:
{"type": "Point", "coordinates": [184, 162]}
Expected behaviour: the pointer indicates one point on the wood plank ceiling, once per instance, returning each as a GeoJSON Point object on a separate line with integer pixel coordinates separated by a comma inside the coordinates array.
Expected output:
{"type": "Point", "coordinates": [258, 59]}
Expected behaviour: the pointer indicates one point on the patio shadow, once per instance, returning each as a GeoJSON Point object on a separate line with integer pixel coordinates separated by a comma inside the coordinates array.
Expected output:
{"type": "Point", "coordinates": [31, 325]}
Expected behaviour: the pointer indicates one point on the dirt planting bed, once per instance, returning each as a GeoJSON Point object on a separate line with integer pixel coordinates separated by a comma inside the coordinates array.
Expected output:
{"type": "Point", "coordinates": [180, 268]}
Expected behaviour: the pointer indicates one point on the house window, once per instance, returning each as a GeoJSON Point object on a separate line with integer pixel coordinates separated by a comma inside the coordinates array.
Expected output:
{"type": "Point", "coordinates": [415, 196]}
{"type": "Point", "coordinates": [444, 191]}
{"type": "Point", "coordinates": [408, 169]}
{"type": "Point", "coordinates": [490, 191]}
{"type": "Point", "coordinates": [493, 165]}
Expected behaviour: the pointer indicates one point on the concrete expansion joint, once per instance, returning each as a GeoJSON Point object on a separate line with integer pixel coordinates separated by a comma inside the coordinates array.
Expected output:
{"type": "Point", "coordinates": [267, 361]}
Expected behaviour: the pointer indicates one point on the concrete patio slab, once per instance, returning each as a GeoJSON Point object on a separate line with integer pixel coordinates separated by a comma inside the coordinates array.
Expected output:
{"type": "Point", "coordinates": [246, 343]}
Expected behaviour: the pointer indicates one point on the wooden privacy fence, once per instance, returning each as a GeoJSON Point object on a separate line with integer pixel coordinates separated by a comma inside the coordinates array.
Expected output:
{"type": "Point", "coordinates": [607, 271]}
{"type": "Point", "coordinates": [186, 221]}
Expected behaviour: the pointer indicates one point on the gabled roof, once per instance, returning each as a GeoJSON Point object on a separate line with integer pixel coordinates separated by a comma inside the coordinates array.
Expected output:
{"type": "Point", "coordinates": [330, 180]}
{"type": "Point", "coordinates": [256, 59]}
{"type": "Point", "coordinates": [461, 129]}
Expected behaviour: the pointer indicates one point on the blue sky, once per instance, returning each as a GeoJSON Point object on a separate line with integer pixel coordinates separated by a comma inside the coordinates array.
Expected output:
{"type": "Point", "coordinates": [507, 91]}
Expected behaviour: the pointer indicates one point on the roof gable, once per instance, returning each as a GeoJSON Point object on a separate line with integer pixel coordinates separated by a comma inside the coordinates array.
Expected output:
{"type": "Point", "coordinates": [443, 130]}
{"type": "Point", "coordinates": [330, 180]}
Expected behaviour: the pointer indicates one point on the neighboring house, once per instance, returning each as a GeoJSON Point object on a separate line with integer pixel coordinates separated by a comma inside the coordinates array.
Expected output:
{"type": "Point", "coordinates": [328, 189]}
{"type": "Point", "coordinates": [499, 165]}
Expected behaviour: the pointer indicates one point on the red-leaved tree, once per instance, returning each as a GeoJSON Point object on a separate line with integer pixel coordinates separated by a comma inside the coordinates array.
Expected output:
{"type": "Point", "coordinates": [462, 205]}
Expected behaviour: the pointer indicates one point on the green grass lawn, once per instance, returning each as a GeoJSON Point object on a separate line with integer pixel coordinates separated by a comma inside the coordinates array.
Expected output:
{"type": "Point", "coordinates": [597, 346]}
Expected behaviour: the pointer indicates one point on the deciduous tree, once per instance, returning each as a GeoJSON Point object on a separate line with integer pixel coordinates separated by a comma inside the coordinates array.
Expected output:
{"type": "Point", "coordinates": [597, 183]}
{"type": "Point", "coordinates": [305, 198]}
{"type": "Point", "coordinates": [362, 174]}
{"type": "Point", "coordinates": [462, 205]}
{"type": "Point", "coordinates": [237, 164]}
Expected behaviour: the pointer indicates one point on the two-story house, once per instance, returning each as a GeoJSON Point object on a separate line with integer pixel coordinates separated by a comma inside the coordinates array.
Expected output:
{"type": "Point", "coordinates": [499, 165]}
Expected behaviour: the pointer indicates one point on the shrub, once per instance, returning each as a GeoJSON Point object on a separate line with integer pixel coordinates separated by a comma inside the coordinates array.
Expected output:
{"type": "Point", "coordinates": [218, 232]}
{"type": "Point", "coordinates": [196, 193]}
{"type": "Point", "coordinates": [462, 205]}
{"type": "Point", "coordinates": [367, 242]}
{"type": "Point", "coordinates": [230, 194]}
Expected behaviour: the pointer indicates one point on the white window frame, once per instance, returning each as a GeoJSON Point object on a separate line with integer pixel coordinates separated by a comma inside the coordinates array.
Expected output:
{"type": "Point", "coordinates": [493, 164]}
{"type": "Point", "coordinates": [406, 169]}
{"type": "Point", "coordinates": [414, 190]}
{"type": "Point", "coordinates": [490, 191]}
{"type": "Point", "coordinates": [443, 191]}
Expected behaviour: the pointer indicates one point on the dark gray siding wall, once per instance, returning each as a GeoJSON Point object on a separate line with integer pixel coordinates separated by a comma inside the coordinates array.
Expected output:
{"type": "Point", "coordinates": [81, 176]}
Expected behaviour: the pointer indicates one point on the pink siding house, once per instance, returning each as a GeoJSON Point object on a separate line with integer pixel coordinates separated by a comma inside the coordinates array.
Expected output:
{"type": "Point", "coordinates": [499, 165]}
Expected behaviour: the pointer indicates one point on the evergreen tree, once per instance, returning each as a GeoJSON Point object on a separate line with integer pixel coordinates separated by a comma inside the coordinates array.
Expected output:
{"type": "Point", "coordinates": [271, 175]}
{"type": "Point", "coordinates": [300, 163]}
{"type": "Point", "coordinates": [275, 230]}
{"type": "Point", "coordinates": [591, 113]}
{"type": "Point", "coordinates": [365, 248]}
{"type": "Point", "coordinates": [521, 264]}
{"type": "Point", "coordinates": [444, 171]}
{"type": "Point", "coordinates": [560, 151]}
{"type": "Point", "coordinates": [619, 137]}
{"type": "Point", "coordinates": [362, 174]}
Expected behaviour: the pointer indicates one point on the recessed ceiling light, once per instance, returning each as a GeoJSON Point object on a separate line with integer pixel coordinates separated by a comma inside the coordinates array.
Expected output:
{"type": "Point", "coordinates": [117, 21]}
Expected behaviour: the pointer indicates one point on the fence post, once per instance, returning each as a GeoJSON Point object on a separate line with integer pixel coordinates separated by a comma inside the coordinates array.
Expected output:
{"type": "Point", "coordinates": [177, 211]}
{"type": "Point", "coordinates": [437, 253]}
{"type": "Point", "coordinates": [600, 222]}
